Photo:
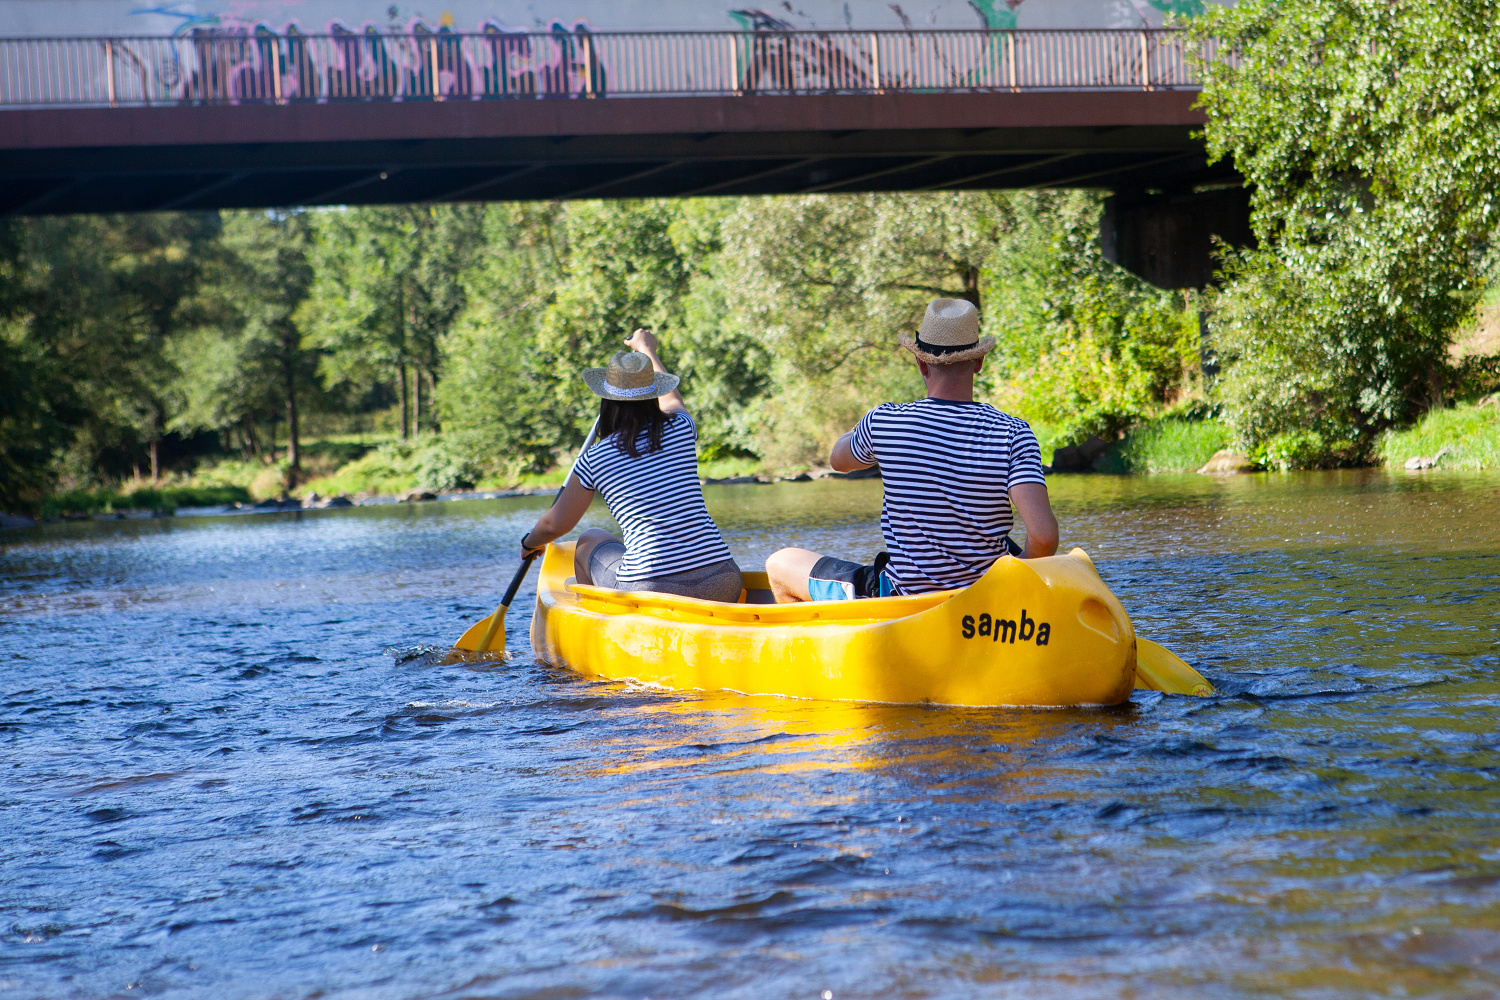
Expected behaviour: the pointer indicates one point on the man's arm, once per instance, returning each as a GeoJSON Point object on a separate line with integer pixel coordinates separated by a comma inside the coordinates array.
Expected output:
{"type": "Point", "coordinates": [842, 457]}
{"type": "Point", "coordinates": [1030, 501]}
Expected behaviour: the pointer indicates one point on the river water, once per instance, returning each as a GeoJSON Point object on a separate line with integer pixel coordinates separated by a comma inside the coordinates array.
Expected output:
{"type": "Point", "coordinates": [217, 781]}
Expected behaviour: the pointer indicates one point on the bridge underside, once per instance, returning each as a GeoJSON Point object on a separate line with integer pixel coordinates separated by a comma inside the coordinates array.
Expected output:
{"type": "Point", "coordinates": [185, 157]}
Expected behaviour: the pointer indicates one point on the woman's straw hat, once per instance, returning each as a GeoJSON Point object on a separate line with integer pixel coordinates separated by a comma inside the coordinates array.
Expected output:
{"type": "Point", "coordinates": [950, 334]}
{"type": "Point", "coordinates": [629, 377]}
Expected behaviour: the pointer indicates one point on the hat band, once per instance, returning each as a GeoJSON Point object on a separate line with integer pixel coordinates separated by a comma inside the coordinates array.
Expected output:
{"type": "Point", "coordinates": [944, 348]}
{"type": "Point", "coordinates": [631, 393]}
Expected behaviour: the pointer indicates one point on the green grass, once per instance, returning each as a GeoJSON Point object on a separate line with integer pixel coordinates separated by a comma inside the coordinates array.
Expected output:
{"type": "Point", "coordinates": [730, 468]}
{"type": "Point", "coordinates": [1171, 444]}
{"type": "Point", "coordinates": [1469, 432]}
{"type": "Point", "coordinates": [390, 468]}
{"type": "Point", "coordinates": [105, 500]}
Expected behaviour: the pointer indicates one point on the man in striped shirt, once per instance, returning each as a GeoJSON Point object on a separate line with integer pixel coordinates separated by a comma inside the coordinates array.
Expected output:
{"type": "Point", "coordinates": [954, 471]}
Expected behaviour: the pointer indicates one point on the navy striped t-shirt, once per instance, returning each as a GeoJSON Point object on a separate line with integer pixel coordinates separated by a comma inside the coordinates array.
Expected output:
{"type": "Point", "coordinates": [948, 468]}
{"type": "Point", "coordinates": [657, 501]}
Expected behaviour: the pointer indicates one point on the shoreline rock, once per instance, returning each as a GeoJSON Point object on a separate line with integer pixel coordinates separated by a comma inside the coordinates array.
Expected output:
{"type": "Point", "coordinates": [1227, 462]}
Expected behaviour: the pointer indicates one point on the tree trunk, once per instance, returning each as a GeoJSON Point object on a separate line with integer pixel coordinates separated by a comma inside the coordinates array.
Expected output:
{"type": "Point", "coordinates": [251, 436]}
{"type": "Point", "coordinates": [416, 402]}
{"type": "Point", "coordinates": [401, 398]}
{"type": "Point", "coordinates": [155, 460]}
{"type": "Point", "coordinates": [971, 286]}
{"type": "Point", "coordinates": [294, 446]}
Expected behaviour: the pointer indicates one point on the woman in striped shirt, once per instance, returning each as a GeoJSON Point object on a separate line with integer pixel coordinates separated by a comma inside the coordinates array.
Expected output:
{"type": "Point", "coordinates": [645, 463]}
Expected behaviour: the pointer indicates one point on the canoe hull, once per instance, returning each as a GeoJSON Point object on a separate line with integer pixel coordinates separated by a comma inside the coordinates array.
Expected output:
{"type": "Point", "coordinates": [1039, 632]}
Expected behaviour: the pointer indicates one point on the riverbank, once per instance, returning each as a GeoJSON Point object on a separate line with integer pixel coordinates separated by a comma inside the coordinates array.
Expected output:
{"type": "Point", "coordinates": [348, 473]}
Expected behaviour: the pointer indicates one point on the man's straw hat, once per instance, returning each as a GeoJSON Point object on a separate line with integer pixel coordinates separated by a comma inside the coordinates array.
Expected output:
{"type": "Point", "coordinates": [950, 334]}
{"type": "Point", "coordinates": [629, 377]}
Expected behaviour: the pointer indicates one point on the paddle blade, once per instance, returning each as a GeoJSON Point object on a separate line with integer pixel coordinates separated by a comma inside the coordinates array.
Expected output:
{"type": "Point", "coordinates": [1160, 669]}
{"type": "Point", "coordinates": [482, 636]}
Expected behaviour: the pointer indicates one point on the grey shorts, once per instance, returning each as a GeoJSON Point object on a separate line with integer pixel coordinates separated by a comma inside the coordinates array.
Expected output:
{"type": "Point", "coordinates": [719, 582]}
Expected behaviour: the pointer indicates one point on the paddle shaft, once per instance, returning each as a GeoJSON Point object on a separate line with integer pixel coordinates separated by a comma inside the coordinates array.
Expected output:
{"type": "Point", "coordinates": [498, 618]}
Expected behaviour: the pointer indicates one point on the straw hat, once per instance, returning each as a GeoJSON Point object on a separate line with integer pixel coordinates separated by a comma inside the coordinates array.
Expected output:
{"type": "Point", "coordinates": [629, 376]}
{"type": "Point", "coordinates": [950, 334]}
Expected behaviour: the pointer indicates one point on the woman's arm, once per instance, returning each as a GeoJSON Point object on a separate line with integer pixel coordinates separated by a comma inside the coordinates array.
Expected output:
{"type": "Point", "coordinates": [644, 340]}
{"type": "Point", "coordinates": [562, 518]}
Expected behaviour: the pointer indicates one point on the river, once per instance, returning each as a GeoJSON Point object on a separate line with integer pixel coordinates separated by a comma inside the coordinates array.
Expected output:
{"type": "Point", "coordinates": [218, 781]}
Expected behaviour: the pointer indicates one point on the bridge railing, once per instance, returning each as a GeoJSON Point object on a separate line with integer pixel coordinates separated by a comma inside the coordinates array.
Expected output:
{"type": "Point", "coordinates": [212, 67]}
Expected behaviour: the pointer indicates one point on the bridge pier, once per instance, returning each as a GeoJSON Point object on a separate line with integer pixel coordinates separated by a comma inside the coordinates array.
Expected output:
{"type": "Point", "coordinates": [1167, 239]}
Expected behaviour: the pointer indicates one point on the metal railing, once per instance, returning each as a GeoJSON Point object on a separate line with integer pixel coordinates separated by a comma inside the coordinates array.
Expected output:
{"type": "Point", "coordinates": [212, 67]}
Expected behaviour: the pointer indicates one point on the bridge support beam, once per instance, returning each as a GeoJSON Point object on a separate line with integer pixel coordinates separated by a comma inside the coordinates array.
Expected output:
{"type": "Point", "coordinates": [1167, 239]}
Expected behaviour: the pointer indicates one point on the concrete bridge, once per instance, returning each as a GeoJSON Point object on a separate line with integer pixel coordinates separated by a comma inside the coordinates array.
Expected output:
{"type": "Point", "coordinates": [259, 118]}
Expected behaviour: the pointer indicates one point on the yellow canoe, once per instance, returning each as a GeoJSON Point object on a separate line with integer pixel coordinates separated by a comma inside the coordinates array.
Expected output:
{"type": "Point", "coordinates": [1038, 632]}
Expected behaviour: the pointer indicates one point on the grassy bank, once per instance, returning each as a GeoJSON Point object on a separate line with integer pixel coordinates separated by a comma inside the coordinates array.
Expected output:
{"type": "Point", "coordinates": [1462, 437]}
{"type": "Point", "coordinates": [1171, 445]}
{"type": "Point", "coordinates": [104, 500]}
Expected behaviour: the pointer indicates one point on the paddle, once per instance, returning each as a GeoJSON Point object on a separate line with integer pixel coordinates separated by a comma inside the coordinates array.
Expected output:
{"type": "Point", "coordinates": [1159, 669]}
{"type": "Point", "coordinates": [498, 618]}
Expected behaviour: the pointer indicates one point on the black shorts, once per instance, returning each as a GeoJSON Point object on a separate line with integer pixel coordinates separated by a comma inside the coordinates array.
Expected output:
{"type": "Point", "coordinates": [840, 580]}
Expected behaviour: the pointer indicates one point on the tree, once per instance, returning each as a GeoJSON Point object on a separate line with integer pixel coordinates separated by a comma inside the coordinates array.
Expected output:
{"type": "Point", "coordinates": [246, 360]}
{"type": "Point", "coordinates": [498, 400]}
{"type": "Point", "coordinates": [389, 289]}
{"type": "Point", "coordinates": [1370, 132]}
{"type": "Point", "coordinates": [92, 303]}
{"type": "Point", "coordinates": [1084, 347]}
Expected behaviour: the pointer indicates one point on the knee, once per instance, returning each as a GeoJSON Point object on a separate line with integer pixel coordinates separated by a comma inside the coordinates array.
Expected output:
{"type": "Point", "coordinates": [778, 563]}
{"type": "Point", "coordinates": [594, 536]}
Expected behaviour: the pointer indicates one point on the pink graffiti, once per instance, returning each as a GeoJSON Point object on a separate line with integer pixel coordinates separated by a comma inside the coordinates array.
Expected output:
{"type": "Point", "coordinates": [249, 63]}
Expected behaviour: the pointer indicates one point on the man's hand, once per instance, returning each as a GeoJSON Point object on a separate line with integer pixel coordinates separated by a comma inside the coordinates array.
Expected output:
{"type": "Point", "coordinates": [1030, 501]}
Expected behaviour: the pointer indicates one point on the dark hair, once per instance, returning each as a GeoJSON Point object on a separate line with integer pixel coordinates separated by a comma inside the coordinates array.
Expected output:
{"type": "Point", "coordinates": [625, 419]}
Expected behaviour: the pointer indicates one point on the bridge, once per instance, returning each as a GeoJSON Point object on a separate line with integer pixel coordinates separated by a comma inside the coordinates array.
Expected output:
{"type": "Point", "coordinates": [212, 120]}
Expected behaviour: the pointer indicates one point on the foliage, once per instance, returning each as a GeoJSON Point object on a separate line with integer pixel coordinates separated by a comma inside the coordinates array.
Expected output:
{"type": "Point", "coordinates": [826, 284]}
{"type": "Point", "coordinates": [399, 467]}
{"type": "Point", "coordinates": [390, 287]}
{"type": "Point", "coordinates": [1370, 132]}
{"type": "Point", "coordinates": [88, 305]}
{"type": "Point", "coordinates": [244, 361]}
{"type": "Point", "coordinates": [1465, 437]}
{"type": "Point", "coordinates": [167, 498]}
{"type": "Point", "coordinates": [1084, 347]}
{"type": "Point", "coordinates": [781, 315]}
{"type": "Point", "coordinates": [1171, 444]}
{"type": "Point", "coordinates": [498, 401]}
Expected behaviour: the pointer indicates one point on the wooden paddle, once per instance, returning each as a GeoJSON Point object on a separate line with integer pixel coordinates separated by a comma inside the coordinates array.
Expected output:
{"type": "Point", "coordinates": [498, 618]}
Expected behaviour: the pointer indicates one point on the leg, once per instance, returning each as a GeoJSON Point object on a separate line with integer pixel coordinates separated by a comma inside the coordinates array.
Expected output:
{"type": "Point", "coordinates": [789, 570]}
{"type": "Point", "coordinates": [587, 542]}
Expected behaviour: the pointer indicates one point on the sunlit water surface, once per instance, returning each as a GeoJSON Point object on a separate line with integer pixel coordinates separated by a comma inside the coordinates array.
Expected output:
{"type": "Point", "coordinates": [217, 782]}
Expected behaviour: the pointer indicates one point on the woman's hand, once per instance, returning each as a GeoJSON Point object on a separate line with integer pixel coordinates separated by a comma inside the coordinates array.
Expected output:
{"type": "Point", "coordinates": [642, 340]}
{"type": "Point", "coordinates": [525, 552]}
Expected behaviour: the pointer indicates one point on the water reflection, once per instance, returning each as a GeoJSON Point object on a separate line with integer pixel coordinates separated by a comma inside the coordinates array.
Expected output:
{"type": "Point", "coordinates": [217, 781]}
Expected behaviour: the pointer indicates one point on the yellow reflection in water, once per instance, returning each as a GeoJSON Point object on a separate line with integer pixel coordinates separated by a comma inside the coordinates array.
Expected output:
{"type": "Point", "coordinates": [985, 752]}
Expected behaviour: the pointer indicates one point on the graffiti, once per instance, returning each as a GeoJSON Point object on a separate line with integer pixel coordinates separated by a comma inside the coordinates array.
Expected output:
{"type": "Point", "coordinates": [996, 20]}
{"type": "Point", "coordinates": [775, 59]}
{"type": "Point", "coordinates": [253, 63]}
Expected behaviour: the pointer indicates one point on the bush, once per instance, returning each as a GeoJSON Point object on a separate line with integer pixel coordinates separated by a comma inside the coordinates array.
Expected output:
{"type": "Point", "coordinates": [442, 469]}
{"type": "Point", "coordinates": [391, 468]}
